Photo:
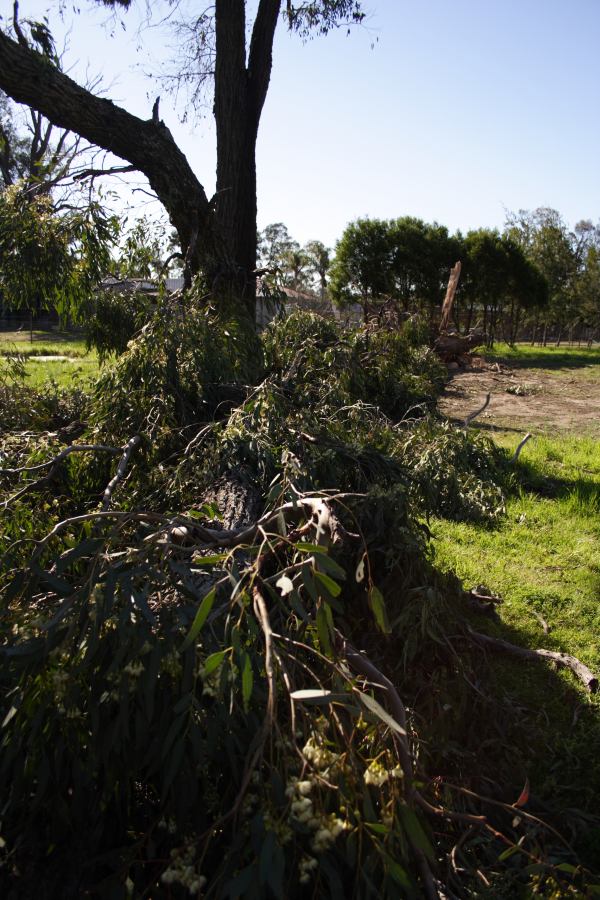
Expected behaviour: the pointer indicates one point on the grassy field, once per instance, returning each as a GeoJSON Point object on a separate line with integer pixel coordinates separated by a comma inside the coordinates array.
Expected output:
{"type": "Point", "coordinates": [544, 562]}
{"type": "Point", "coordinates": [548, 359]}
{"type": "Point", "coordinates": [74, 365]}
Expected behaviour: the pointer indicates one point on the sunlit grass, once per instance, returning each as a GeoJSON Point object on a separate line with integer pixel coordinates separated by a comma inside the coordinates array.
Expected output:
{"type": "Point", "coordinates": [78, 369]}
{"type": "Point", "coordinates": [548, 358]}
{"type": "Point", "coordinates": [44, 343]}
{"type": "Point", "coordinates": [66, 373]}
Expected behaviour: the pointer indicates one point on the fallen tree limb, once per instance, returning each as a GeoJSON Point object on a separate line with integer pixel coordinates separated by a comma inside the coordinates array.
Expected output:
{"type": "Point", "coordinates": [472, 416]}
{"type": "Point", "coordinates": [318, 508]}
{"type": "Point", "coordinates": [131, 444]}
{"type": "Point", "coordinates": [520, 446]}
{"type": "Point", "coordinates": [564, 660]}
{"type": "Point", "coordinates": [54, 463]}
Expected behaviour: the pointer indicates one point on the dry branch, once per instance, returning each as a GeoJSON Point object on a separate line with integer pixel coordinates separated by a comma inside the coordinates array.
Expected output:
{"type": "Point", "coordinates": [54, 464]}
{"type": "Point", "coordinates": [564, 660]}
{"type": "Point", "coordinates": [520, 446]}
{"type": "Point", "coordinates": [472, 416]}
{"type": "Point", "coordinates": [449, 298]}
{"type": "Point", "coordinates": [123, 462]}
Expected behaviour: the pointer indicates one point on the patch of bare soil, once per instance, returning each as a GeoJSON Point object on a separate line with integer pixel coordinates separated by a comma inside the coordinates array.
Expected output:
{"type": "Point", "coordinates": [525, 399]}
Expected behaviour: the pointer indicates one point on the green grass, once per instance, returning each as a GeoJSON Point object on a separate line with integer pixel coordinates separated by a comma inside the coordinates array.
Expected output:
{"type": "Point", "coordinates": [78, 369]}
{"type": "Point", "coordinates": [548, 358]}
{"type": "Point", "coordinates": [67, 373]}
{"type": "Point", "coordinates": [544, 561]}
{"type": "Point", "coordinates": [45, 343]}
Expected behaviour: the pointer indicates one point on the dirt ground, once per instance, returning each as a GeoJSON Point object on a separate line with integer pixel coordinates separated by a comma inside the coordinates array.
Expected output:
{"type": "Point", "coordinates": [526, 399]}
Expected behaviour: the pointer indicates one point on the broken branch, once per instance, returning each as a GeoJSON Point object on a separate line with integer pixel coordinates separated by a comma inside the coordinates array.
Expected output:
{"type": "Point", "coordinates": [127, 450]}
{"type": "Point", "coordinates": [564, 660]}
{"type": "Point", "coordinates": [520, 446]}
{"type": "Point", "coordinates": [472, 416]}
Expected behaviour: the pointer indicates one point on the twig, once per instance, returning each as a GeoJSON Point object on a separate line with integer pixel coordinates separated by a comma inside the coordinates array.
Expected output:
{"type": "Point", "coordinates": [197, 438]}
{"type": "Point", "coordinates": [477, 412]}
{"type": "Point", "coordinates": [99, 173]}
{"type": "Point", "coordinates": [542, 621]}
{"type": "Point", "coordinates": [73, 448]}
{"type": "Point", "coordinates": [585, 675]}
{"type": "Point", "coordinates": [520, 446]}
{"type": "Point", "coordinates": [362, 665]}
{"type": "Point", "coordinates": [131, 444]}
{"type": "Point", "coordinates": [260, 608]}
{"type": "Point", "coordinates": [53, 463]}
{"type": "Point", "coordinates": [449, 813]}
{"type": "Point", "coordinates": [89, 517]}
{"type": "Point", "coordinates": [510, 809]}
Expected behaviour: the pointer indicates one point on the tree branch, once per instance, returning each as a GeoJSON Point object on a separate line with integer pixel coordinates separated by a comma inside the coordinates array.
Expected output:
{"type": "Point", "coordinates": [564, 660]}
{"type": "Point", "coordinates": [30, 78]}
{"type": "Point", "coordinates": [54, 464]}
{"type": "Point", "coordinates": [260, 57]}
{"type": "Point", "coordinates": [472, 416]}
{"type": "Point", "coordinates": [131, 444]}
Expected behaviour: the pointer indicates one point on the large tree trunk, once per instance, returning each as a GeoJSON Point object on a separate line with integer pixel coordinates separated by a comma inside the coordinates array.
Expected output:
{"type": "Point", "coordinates": [240, 91]}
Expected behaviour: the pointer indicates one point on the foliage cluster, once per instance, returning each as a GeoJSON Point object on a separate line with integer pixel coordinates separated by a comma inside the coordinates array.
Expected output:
{"type": "Point", "coordinates": [180, 680]}
{"type": "Point", "coordinates": [50, 260]}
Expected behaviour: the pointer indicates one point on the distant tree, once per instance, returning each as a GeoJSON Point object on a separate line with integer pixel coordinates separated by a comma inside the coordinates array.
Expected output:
{"type": "Point", "coordinates": [484, 276]}
{"type": "Point", "coordinates": [423, 256]}
{"type": "Point", "coordinates": [319, 262]}
{"type": "Point", "coordinates": [274, 242]}
{"type": "Point", "coordinates": [588, 289]}
{"type": "Point", "coordinates": [546, 241]}
{"type": "Point", "coordinates": [363, 271]}
{"type": "Point", "coordinates": [526, 289]}
{"type": "Point", "coordinates": [295, 265]}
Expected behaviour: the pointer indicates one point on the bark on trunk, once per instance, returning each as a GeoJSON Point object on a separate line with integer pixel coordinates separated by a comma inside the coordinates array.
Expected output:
{"type": "Point", "coordinates": [240, 92]}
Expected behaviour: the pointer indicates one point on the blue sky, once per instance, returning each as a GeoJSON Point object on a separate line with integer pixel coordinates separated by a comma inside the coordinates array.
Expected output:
{"type": "Point", "coordinates": [450, 111]}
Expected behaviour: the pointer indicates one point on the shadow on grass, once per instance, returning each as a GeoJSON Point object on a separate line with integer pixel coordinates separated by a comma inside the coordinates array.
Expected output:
{"type": "Point", "coordinates": [549, 732]}
{"type": "Point", "coordinates": [487, 427]}
{"type": "Point", "coordinates": [582, 490]}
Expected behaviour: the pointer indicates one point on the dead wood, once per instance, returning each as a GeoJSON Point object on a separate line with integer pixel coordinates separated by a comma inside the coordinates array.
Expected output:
{"type": "Point", "coordinates": [449, 298]}
{"type": "Point", "coordinates": [520, 446]}
{"type": "Point", "coordinates": [472, 416]}
{"type": "Point", "coordinates": [454, 347]}
{"type": "Point", "coordinates": [563, 660]}
{"type": "Point", "coordinates": [121, 468]}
